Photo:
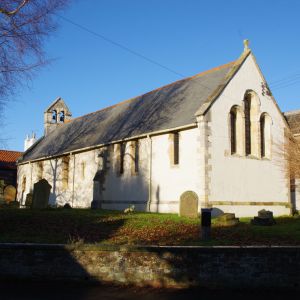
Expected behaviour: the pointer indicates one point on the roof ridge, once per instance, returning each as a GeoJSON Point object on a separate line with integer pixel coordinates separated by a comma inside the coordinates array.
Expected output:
{"type": "Point", "coordinates": [215, 94]}
{"type": "Point", "coordinates": [292, 112]}
{"type": "Point", "coordinates": [3, 150]}
{"type": "Point", "coordinates": [56, 100]}
{"type": "Point", "coordinates": [157, 89]}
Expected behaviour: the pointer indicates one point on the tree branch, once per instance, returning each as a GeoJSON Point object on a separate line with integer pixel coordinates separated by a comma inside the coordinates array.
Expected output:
{"type": "Point", "coordinates": [15, 11]}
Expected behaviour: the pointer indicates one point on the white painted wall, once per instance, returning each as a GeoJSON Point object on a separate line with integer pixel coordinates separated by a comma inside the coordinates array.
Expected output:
{"type": "Point", "coordinates": [168, 181]}
{"type": "Point", "coordinates": [123, 190]}
{"type": "Point", "coordinates": [52, 172]}
{"type": "Point", "coordinates": [243, 178]}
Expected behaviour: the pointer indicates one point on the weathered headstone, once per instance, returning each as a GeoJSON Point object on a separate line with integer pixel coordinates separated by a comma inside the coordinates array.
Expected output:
{"type": "Point", "coordinates": [188, 206]}
{"type": "Point", "coordinates": [265, 214]}
{"type": "Point", "coordinates": [264, 218]}
{"type": "Point", "coordinates": [41, 193]}
{"type": "Point", "coordinates": [67, 206]}
{"type": "Point", "coordinates": [10, 193]}
{"type": "Point", "coordinates": [2, 186]}
{"type": "Point", "coordinates": [28, 200]}
{"type": "Point", "coordinates": [227, 219]}
{"type": "Point", "coordinates": [205, 223]}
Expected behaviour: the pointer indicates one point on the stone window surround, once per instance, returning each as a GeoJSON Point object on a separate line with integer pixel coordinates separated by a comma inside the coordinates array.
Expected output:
{"type": "Point", "coordinates": [242, 154]}
{"type": "Point", "coordinates": [173, 148]}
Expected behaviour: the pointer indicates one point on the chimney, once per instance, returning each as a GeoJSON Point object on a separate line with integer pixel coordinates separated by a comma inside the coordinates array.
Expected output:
{"type": "Point", "coordinates": [29, 141]}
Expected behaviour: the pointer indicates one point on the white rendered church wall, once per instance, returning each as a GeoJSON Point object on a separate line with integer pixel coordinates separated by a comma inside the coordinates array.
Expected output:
{"type": "Point", "coordinates": [240, 178]}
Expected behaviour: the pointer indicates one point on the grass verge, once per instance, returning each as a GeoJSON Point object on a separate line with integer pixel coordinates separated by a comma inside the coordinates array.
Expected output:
{"type": "Point", "coordinates": [70, 226]}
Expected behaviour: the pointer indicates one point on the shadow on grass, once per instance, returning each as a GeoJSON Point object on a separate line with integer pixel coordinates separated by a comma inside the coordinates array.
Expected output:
{"type": "Point", "coordinates": [58, 226]}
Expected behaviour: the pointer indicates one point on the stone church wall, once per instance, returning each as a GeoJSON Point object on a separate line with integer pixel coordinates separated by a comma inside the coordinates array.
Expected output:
{"type": "Point", "coordinates": [240, 183]}
{"type": "Point", "coordinates": [257, 268]}
{"type": "Point", "coordinates": [165, 182]}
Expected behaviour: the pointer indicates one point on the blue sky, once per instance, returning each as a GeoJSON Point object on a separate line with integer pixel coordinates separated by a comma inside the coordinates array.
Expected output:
{"type": "Point", "coordinates": [187, 36]}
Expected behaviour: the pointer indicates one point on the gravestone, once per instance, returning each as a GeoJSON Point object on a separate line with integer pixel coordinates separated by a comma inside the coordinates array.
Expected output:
{"type": "Point", "coordinates": [265, 214]}
{"type": "Point", "coordinates": [264, 218]}
{"type": "Point", "coordinates": [41, 193]}
{"type": "Point", "coordinates": [2, 186]}
{"type": "Point", "coordinates": [188, 206]}
{"type": "Point", "coordinates": [28, 200]}
{"type": "Point", "coordinates": [67, 206]}
{"type": "Point", "coordinates": [9, 193]}
{"type": "Point", "coordinates": [227, 219]}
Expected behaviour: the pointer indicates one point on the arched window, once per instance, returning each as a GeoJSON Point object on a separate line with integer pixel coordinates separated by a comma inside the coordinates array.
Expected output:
{"type": "Point", "coordinates": [251, 109]}
{"type": "Point", "coordinates": [23, 184]}
{"type": "Point", "coordinates": [40, 170]}
{"type": "Point", "coordinates": [62, 116]}
{"type": "Point", "coordinates": [262, 136]}
{"type": "Point", "coordinates": [265, 135]}
{"type": "Point", "coordinates": [233, 130]}
{"type": "Point", "coordinates": [247, 104]}
{"type": "Point", "coordinates": [65, 171]}
{"type": "Point", "coordinates": [236, 124]}
{"type": "Point", "coordinates": [54, 116]}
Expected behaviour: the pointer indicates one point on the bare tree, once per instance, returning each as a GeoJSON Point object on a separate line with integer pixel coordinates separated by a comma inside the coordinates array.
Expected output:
{"type": "Point", "coordinates": [287, 156]}
{"type": "Point", "coordinates": [292, 156]}
{"type": "Point", "coordinates": [24, 24]}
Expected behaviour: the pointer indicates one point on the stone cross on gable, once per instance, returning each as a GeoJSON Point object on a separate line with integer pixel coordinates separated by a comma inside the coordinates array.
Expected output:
{"type": "Point", "coordinates": [246, 45]}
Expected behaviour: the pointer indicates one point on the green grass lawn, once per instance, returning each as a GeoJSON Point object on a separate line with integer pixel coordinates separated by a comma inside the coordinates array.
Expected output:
{"type": "Point", "coordinates": [113, 227]}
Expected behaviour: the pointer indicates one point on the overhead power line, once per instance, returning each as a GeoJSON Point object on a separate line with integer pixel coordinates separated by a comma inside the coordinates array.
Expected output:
{"type": "Point", "coordinates": [285, 82]}
{"type": "Point", "coordinates": [133, 52]}
{"type": "Point", "coordinates": [278, 84]}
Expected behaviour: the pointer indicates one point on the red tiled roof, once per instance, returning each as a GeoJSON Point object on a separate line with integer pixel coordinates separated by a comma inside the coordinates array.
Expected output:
{"type": "Point", "coordinates": [8, 158]}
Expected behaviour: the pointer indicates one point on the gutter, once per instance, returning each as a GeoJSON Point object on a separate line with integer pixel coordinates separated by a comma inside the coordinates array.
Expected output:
{"type": "Point", "coordinates": [145, 135]}
{"type": "Point", "coordinates": [150, 174]}
{"type": "Point", "coordinates": [73, 179]}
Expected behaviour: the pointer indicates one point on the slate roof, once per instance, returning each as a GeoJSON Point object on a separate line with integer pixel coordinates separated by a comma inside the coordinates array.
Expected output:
{"type": "Point", "coordinates": [168, 107]}
{"type": "Point", "coordinates": [293, 119]}
{"type": "Point", "coordinates": [8, 159]}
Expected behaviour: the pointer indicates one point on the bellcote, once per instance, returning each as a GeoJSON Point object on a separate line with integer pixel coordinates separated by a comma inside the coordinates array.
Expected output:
{"type": "Point", "coordinates": [55, 115]}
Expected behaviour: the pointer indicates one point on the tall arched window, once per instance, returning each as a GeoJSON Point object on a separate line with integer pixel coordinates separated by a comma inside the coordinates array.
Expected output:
{"type": "Point", "coordinates": [23, 184]}
{"type": "Point", "coordinates": [54, 116]}
{"type": "Point", "coordinates": [40, 170]}
{"type": "Point", "coordinates": [247, 103]}
{"type": "Point", "coordinates": [236, 124]}
{"type": "Point", "coordinates": [62, 116]}
{"type": "Point", "coordinates": [251, 108]}
{"type": "Point", "coordinates": [262, 136]}
{"type": "Point", "coordinates": [265, 135]}
{"type": "Point", "coordinates": [233, 130]}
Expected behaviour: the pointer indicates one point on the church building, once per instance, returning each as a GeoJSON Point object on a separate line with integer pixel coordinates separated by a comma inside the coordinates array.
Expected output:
{"type": "Point", "coordinates": [214, 135]}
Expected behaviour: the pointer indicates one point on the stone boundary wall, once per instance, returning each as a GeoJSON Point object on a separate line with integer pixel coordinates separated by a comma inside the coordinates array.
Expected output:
{"type": "Point", "coordinates": [222, 267]}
